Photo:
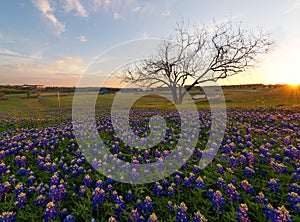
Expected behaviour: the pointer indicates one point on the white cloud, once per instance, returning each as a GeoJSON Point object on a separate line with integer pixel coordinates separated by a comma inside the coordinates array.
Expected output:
{"type": "Point", "coordinates": [75, 5]}
{"type": "Point", "coordinates": [145, 35]}
{"type": "Point", "coordinates": [166, 13]}
{"type": "Point", "coordinates": [82, 38]}
{"type": "Point", "coordinates": [48, 12]}
{"type": "Point", "coordinates": [136, 9]}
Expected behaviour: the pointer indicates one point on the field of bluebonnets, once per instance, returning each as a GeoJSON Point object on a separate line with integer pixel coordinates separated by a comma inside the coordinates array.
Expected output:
{"type": "Point", "coordinates": [254, 177]}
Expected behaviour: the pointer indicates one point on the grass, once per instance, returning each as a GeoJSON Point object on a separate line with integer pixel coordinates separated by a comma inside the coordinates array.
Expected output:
{"type": "Point", "coordinates": [237, 97]}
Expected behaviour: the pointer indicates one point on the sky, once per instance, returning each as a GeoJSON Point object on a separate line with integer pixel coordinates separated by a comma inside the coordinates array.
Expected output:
{"type": "Point", "coordinates": [52, 42]}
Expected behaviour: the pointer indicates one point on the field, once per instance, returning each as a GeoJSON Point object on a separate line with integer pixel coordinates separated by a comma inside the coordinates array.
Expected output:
{"type": "Point", "coordinates": [255, 175]}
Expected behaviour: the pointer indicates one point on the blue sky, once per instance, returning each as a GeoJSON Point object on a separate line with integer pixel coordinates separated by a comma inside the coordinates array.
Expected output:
{"type": "Point", "coordinates": [51, 42]}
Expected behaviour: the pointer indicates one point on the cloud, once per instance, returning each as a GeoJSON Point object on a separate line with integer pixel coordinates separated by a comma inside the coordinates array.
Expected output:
{"type": "Point", "coordinates": [10, 58]}
{"type": "Point", "coordinates": [166, 13]}
{"type": "Point", "coordinates": [145, 35]}
{"type": "Point", "coordinates": [63, 71]}
{"type": "Point", "coordinates": [136, 9]}
{"type": "Point", "coordinates": [121, 8]}
{"type": "Point", "coordinates": [76, 6]}
{"type": "Point", "coordinates": [48, 12]}
{"type": "Point", "coordinates": [82, 38]}
{"type": "Point", "coordinates": [116, 15]}
{"type": "Point", "coordinates": [292, 7]}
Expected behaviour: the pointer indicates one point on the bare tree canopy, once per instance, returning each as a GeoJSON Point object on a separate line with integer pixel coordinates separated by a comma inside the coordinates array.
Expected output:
{"type": "Point", "coordinates": [205, 54]}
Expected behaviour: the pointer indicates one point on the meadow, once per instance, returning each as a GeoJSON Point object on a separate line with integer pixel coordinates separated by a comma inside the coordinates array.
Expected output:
{"type": "Point", "coordinates": [255, 175]}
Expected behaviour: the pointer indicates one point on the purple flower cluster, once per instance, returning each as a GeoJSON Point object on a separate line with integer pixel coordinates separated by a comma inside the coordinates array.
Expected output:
{"type": "Point", "coordinates": [242, 215]}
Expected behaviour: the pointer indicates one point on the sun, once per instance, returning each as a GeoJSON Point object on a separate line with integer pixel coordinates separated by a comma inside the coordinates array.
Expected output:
{"type": "Point", "coordinates": [294, 85]}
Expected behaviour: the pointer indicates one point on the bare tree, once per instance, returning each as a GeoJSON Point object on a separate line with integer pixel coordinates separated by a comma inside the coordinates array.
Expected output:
{"type": "Point", "coordinates": [205, 54]}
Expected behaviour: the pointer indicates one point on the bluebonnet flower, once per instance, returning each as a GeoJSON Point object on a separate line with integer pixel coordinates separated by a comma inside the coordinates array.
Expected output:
{"type": "Point", "coordinates": [99, 184]}
{"type": "Point", "coordinates": [232, 162]}
{"type": "Point", "coordinates": [199, 183]}
{"type": "Point", "coordinates": [278, 167]}
{"type": "Point", "coordinates": [109, 181]}
{"type": "Point", "coordinates": [270, 213]}
{"type": "Point", "coordinates": [231, 194]}
{"type": "Point", "coordinates": [87, 181]}
{"type": "Point", "coordinates": [170, 206]}
{"type": "Point", "coordinates": [217, 201]}
{"type": "Point", "coordinates": [98, 196]}
{"type": "Point", "coordinates": [294, 200]}
{"type": "Point", "coordinates": [19, 188]}
{"type": "Point", "coordinates": [152, 218]}
{"type": "Point", "coordinates": [30, 181]}
{"type": "Point", "coordinates": [8, 217]}
{"type": "Point", "coordinates": [112, 219]}
{"type": "Point", "coordinates": [196, 169]}
{"type": "Point", "coordinates": [220, 183]}
{"type": "Point", "coordinates": [82, 190]}
{"type": "Point", "coordinates": [248, 172]}
{"type": "Point", "coordinates": [12, 179]}
{"type": "Point", "coordinates": [129, 196]}
{"type": "Point", "coordinates": [120, 206]}
{"type": "Point", "coordinates": [63, 213]}
{"type": "Point", "coordinates": [170, 190]}
{"type": "Point", "coordinates": [260, 198]}
{"type": "Point", "coordinates": [42, 188]}
{"type": "Point", "coordinates": [20, 161]}
{"type": "Point", "coordinates": [247, 187]}
{"type": "Point", "coordinates": [3, 168]}
{"type": "Point", "coordinates": [134, 216]}
{"type": "Point", "coordinates": [198, 217]}
{"type": "Point", "coordinates": [294, 187]}
{"type": "Point", "coordinates": [250, 158]}
{"type": "Point", "coordinates": [69, 218]}
{"type": "Point", "coordinates": [283, 214]}
{"type": "Point", "coordinates": [181, 213]}
{"type": "Point", "coordinates": [242, 215]}
{"type": "Point", "coordinates": [147, 206]}
{"type": "Point", "coordinates": [55, 179]}
{"type": "Point", "coordinates": [158, 189]}
{"type": "Point", "coordinates": [273, 184]}
{"type": "Point", "coordinates": [40, 200]}
{"type": "Point", "coordinates": [177, 179]}
{"type": "Point", "coordinates": [31, 191]}
{"type": "Point", "coordinates": [220, 169]}
{"type": "Point", "coordinates": [21, 201]}
{"type": "Point", "coordinates": [139, 205]}
{"type": "Point", "coordinates": [50, 212]}
{"type": "Point", "coordinates": [114, 196]}
{"type": "Point", "coordinates": [57, 193]}
{"type": "Point", "coordinates": [189, 181]}
{"type": "Point", "coordinates": [242, 159]}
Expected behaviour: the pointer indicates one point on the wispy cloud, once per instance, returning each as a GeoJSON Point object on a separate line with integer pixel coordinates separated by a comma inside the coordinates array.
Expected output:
{"type": "Point", "coordinates": [294, 6]}
{"type": "Point", "coordinates": [76, 6]}
{"type": "Point", "coordinates": [166, 13]}
{"type": "Point", "coordinates": [82, 38]}
{"type": "Point", "coordinates": [10, 58]}
{"type": "Point", "coordinates": [116, 15]}
{"type": "Point", "coordinates": [63, 71]}
{"type": "Point", "coordinates": [48, 12]}
{"type": "Point", "coordinates": [136, 9]}
{"type": "Point", "coordinates": [121, 8]}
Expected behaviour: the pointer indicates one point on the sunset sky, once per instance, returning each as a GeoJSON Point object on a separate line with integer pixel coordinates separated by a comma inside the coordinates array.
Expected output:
{"type": "Point", "coordinates": [51, 42]}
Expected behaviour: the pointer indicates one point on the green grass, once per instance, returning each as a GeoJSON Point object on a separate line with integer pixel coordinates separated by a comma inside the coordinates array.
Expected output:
{"type": "Point", "coordinates": [236, 97]}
